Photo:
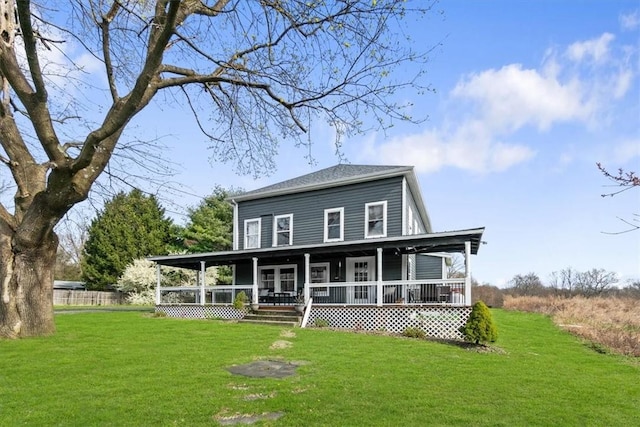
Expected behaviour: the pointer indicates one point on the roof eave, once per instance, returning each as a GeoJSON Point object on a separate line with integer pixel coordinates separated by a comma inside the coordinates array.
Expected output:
{"type": "Point", "coordinates": [399, 171]}
{"type": "Point", "coordinates": [437, 241]}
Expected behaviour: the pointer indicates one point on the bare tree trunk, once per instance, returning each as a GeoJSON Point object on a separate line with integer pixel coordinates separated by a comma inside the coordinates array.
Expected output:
{"type": "Point", "coordinates": [26, 286]}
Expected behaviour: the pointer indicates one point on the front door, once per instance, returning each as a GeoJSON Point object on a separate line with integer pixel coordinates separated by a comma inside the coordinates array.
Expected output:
{"type": "Point", "coordinates": [361, 269]}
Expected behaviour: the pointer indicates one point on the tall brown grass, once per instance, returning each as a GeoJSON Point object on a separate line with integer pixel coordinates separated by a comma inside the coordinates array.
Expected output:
{"type": "Point", "coordinates": [610, 322]}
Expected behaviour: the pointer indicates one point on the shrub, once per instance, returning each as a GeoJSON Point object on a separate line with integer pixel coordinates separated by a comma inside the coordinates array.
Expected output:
{"type": "Point", "coordinates": [240, 300]}
{"type": "Point", "coordinates": [412, 332]}
{"type": "Point", "coordinates": [480, 328]}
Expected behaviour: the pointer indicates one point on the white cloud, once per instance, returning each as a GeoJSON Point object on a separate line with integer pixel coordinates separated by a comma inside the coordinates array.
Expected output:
{"type": "Point", "coordinates": [579, 86]}
{"type": "Point", "coordinates": [630, 21]}
{"type": "Point", "coordinates": [468, 148]}
{"type": "Point", "coordinates": [622, 83]}
{"type": "Point", "coordinates": [596, 49]}
{"type": "Point", "coordinates": [512, 97]}
{"type": "Point", "coordinates": [503, 156]}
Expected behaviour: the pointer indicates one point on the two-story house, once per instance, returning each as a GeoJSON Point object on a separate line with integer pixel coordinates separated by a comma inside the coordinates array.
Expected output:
{"type": "Point", "coordinates": [355, 242]}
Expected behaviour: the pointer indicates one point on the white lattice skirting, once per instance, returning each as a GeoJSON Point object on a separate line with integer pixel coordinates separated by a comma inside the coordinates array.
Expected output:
{"type": "Point", "coordinates": [435, 321]}
{"type": "Point", "coordinates": [201, 311]}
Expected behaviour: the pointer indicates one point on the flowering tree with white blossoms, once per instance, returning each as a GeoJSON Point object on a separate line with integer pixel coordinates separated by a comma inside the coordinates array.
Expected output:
{"type": "Point", "coordinates": [139, 280]}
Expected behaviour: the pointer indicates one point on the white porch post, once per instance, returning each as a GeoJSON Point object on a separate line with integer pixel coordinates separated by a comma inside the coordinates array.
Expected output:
{"type": "Point", "coordinates": [467, 273]}
{"type": "Point", "coordinates": [202, 283]}
{"type": "Point", "coordinates": [379, 277]}
{"type": "Point", "coordinates": [307, 277]}
{"type": "Point", "coordinates": [158, 277]}
{"type": "Point", "coordinates": [254, 290]}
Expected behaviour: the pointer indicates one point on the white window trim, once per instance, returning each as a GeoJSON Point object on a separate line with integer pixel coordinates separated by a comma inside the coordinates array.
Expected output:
{"type": "Point", "coordinates": [276, 276]}
{"type": "Point", "coordinates": [318, 291]}
{"type": "Point", "coordinates": [384, 219]}
{"type": "Point", "coordinates": [275, 229]}
{"type": "Point", "coordinates": [326, 227]}
{"type": "Point", "coordinates": [246, 240]}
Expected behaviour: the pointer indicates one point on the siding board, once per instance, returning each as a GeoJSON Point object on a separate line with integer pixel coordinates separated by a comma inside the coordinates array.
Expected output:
{"type": "Point", "coordinates": [308, 210]}
{"type": "Point", "coordinates": [428, 267]}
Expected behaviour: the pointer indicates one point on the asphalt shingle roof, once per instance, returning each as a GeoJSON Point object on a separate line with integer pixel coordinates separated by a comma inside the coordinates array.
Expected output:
{"type": "Point", "coordinates": [332, 175]}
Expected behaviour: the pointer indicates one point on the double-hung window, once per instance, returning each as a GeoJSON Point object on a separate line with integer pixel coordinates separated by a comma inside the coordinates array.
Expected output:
{"type": "Point", "coordinates": [252, 233]}
{"type": "Point", "coordinates": [283, 230]}
{"type": "Point", "coordinates": [334, 225]}
{"type": "Point", "coordinates": [375, 221]}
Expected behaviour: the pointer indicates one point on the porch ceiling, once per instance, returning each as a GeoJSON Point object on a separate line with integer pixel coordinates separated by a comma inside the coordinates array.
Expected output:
{"type": "Point", "coordinates": [449, 241]}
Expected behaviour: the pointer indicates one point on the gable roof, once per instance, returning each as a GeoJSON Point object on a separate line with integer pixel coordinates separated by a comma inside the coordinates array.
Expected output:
{"type": "Point", "coordinates": [340, 175]}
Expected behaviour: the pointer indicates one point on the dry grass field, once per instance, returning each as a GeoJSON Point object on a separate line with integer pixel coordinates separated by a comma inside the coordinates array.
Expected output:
{"type": "Point", "coordinates": [608, 323]}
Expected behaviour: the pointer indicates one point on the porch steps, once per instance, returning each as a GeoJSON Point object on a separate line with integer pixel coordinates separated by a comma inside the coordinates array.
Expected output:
{"type": "Point", "coordinates": [280, 317]}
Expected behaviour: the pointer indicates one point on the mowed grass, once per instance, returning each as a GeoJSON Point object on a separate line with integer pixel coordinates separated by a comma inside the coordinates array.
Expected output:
{"type": "Point", "coordinates": [127, 368]}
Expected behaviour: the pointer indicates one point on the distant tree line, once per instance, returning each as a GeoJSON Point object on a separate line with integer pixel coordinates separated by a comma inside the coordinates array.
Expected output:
{"type": "Point", "coordinates": [567, 282]}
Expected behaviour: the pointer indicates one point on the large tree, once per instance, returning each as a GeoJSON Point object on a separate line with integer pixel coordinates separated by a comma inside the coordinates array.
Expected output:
{"type": "Point", "coordinates": [130, 226]}
{"type": "Point", "coordinates": [268, 70]}
{"type": "Point", "coordinates": [210, 224]}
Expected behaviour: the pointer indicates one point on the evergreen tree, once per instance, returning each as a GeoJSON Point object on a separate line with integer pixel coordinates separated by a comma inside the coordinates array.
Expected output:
{"type": "Point", "coordinates": [480, 328]}
{"type": "Point", "coordinates": [130, 226]}
{"type": "Point", "coordinates": [210, 226]}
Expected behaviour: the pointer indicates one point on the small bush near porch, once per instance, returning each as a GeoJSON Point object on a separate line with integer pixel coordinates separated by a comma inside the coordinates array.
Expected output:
{"type": "Point", "coordinates": [133, 369]}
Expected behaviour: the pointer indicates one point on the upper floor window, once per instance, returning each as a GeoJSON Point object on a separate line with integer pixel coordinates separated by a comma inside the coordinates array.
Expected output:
{"type": "Point", "coordinates": [283, 230]}
{"type": "Point", "coordinates": [252, 233]}
{"type": "Point", "coordinates": [375, 221]}
{"type": "Point", "coordinates": [334, 225]}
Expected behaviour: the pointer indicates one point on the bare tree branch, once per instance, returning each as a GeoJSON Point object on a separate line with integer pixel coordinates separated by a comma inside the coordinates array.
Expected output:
{"type": "Point", "coordinates": [625, 181]}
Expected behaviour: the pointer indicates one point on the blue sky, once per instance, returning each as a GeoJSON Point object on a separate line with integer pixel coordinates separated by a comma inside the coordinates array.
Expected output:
{"type": "Point", "coordinates": [529, 95]}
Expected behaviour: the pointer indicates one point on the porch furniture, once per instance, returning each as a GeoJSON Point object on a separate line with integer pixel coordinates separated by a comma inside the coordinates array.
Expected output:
{"type": "Point", "coordinates": [390, 294]}
{"type": "Point", "coordinates": [444, 293]}
{"type": "Point", "coordinates": [263, 295]}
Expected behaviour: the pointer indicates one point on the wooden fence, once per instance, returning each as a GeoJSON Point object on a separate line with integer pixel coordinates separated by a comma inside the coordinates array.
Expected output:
{"type": "Point", "coordinates": [65, 297]}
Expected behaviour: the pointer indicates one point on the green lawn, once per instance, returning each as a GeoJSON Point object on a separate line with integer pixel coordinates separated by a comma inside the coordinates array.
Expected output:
{"type": "Point", "coordinates": [126, 368]}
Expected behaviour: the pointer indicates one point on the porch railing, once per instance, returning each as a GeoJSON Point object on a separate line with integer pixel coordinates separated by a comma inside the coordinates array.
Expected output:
{"type": "Point", "coordinates": [445, 291]}
{"type": "Point", "coordinates": [220, 294]}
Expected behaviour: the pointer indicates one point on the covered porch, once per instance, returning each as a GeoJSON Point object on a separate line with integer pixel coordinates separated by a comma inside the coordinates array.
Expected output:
{"type": "Point", "coordinates": [372, 272]}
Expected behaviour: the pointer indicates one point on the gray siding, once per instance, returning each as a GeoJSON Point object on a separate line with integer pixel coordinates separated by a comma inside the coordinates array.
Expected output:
{"type": "Point", "coordinates": [411, 205]}
{"type": "Point", "coordinates": [308, 211]}
{"type": "Point", "coordinates": [391, 267]}
{"type": "Point", "coordinates": [244, 273]}
{"type": "Point", "coordinates": [428, 267]}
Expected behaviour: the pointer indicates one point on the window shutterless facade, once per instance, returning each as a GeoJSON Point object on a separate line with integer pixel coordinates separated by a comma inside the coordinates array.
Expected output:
{"type": "Point", "coordinates": [252, 230]}
{"type": "Point", "coordinates": [375, 224]}
{"type": "Point", "coordinates": [334, 225]}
